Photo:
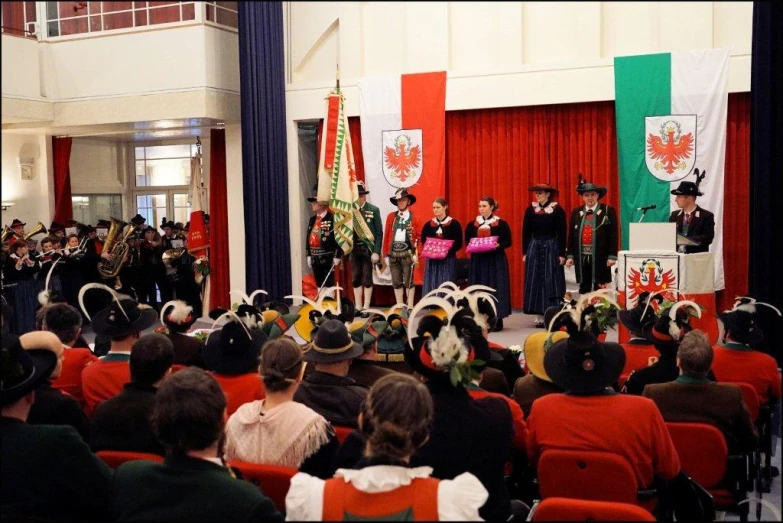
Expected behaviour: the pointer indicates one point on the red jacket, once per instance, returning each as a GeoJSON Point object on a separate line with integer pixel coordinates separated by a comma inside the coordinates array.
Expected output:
{"type": "Point", "coordinates": [240, 389]}
{"type": "Point", "coordinates": [70, 379]}
{"type": "Point", "coordinates": [341, 498]}
{"type": "Point", "coordinates": [388, 236]}
{"type": "Point", "coordinates": [517, 416]}
{"type": "Point", "coordinates": [629, 426]}
{"type": "Point", "coordinates": [745, 365]}
{"type": "Point", "coordinates": [104, 379]}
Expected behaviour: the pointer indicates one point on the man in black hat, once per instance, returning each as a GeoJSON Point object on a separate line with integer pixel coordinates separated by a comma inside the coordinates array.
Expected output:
{"type": "Point", "coordinates": [48, 472]}
{"type": "Point", "coordinates": [592, 244]}
{"type": "Point", "coordinates": [138, 220]}
{"type": "Point", "coordinates": [400, 245]}
{"type": "Point", "coordinates": [692, 221]}
{"type": "Point", "coordinates": [366, 253]}
{"type": "Point", "coordinates": [18, 227]}
{"type": "Point", "coordinates": [322, 250]}
{"type": "Point", "coordinates": [328, 390]}
{"type": "Point", "coordinates": [171, 240]}
{"type": "Point", "coordinates": [57, 233]}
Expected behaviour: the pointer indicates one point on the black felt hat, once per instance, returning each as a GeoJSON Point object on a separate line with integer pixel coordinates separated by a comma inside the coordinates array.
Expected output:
{"type": "Point", "coordinates": [542, 187]}
{"type": "Point", "coordinates": [138, 219]}
{"type": "Point", "coordinates": [22, 371]}
{"type": "Point", "coordinates": [234, 349]}
{"type": "Point", "coordinates": [584, 186]}
{"type": "Point", "coordinates": [124, 317]}
{"type": "Point", "coordinates": [362, 188]}
{"type": "Point", "coordinates": [582, 364]}
{"type": "Point", "coordinates": [332, 343]}
{"type": "Point", "coordinates": [635, 319]}
{"type": "Point", "coordinates": [742, 326]}
{"type": "Point", "coordinates": [690, 188]}
{"type": "Point", "coordinates": [402, 193]}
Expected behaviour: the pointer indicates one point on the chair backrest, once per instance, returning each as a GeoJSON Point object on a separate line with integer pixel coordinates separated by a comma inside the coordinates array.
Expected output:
{"type": "Point", "coordinates": [593, 475]}
{"type": "Point", "coordinates": [342, 432]}
{"type": "Point", "coordinates": [702, 450]}
{"type": "Point", "coordinates": [564, 509]}
{"type": "Point", "coordinates": [177, 367]}
{"type": "Point", "coordinates": [637, 357]}
{"type": "Point", "coordinates": [240, 389]}
{"type": "Point", "coordinates": [115, 458]}
{"type": "Point", "coordinates": [751, 398]}
{"type": "Point", "coordinates": [273, 480]}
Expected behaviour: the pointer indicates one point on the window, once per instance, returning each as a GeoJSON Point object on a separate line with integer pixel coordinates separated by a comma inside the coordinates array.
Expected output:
{"type": "Point", "coordinates": [89, 208]}
{"type": "Point", "coordinates": [69, 18]}
{"type": "Point", "coordinates": [163, 165]}
{"type": "Point", "coordinates": [222, 13]}
{"type": "Point", "coordinates": [18, 19]}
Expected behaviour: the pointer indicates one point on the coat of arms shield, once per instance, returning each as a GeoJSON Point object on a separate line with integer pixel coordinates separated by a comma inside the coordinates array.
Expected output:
{"type": "Point", "coordinates": [402, 157]}
{"type": "Point", "coordinates": [671, 146]}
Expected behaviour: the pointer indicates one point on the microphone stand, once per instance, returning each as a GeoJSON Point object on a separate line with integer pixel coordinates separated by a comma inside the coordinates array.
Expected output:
{"type": "Point", "coordinates": [644, 211]}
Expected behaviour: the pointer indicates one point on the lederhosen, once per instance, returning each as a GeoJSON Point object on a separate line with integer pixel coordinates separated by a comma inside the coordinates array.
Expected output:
{"type": "Point", "coordinates": [401, 253]}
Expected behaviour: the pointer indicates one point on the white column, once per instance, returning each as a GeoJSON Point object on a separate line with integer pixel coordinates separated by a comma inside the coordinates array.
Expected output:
{"type": "Point", "coordinates": [236, 207]}
{"type": "Point", "coordinates": [296, 227]}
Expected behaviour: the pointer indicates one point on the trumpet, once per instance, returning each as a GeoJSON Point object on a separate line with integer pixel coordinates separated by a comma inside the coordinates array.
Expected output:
{"type": "Point", "coordinates": [7, 234]}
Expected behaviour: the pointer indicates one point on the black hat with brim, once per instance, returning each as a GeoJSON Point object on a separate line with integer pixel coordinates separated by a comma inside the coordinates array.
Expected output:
{"type": "Point", "coordinates": [332, 343]}
{"type": "Point", "coordinates": [403, 193]}
{"type": "Point", "coordinates": [234, 349]}
{"type": "Point", "coordinates": [362, 188]}
{"type": "Point", "coordinates": [631, 319]}
{"type": "Point", "coordinates": [170, 224]}
{"type": "Point", "coordinates": [687, 189]}
{"type": "Point", "coordinates": [138, 219]}
{"type": "Point", "coordinates": [742, 326]}
{"type": "Point", "coordinates": [582, 364]}
{"type": "Point", "coordinates": [542, 187]}
{"type": "Point", "coordinates": [587, 187]}
{"type": "Point", "coordinates": [115, 323]}
{"type": "Point", "coordinates": [23, 370]}
{"type": "Point", "coordinates": [657, 333]}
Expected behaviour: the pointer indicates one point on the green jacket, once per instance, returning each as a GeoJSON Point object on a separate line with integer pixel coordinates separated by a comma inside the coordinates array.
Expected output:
{"type": "Point", "coordinates": [372, 217]}
{"type": "Point", "coordinates": [186, 489]}
{"type": "Point", "coordinates": [49, 472]}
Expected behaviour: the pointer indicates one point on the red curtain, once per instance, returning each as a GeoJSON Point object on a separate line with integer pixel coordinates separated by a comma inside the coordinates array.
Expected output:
{"type": "Point", "coordinates": [218, 221]}
{"type": "Point", "coordinates": [61, 154]}
{"type": "Point", "coordinates": [736, 201]}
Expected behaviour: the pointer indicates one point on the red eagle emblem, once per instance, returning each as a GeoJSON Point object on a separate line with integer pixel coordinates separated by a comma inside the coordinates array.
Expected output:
{"type": "Point", "coordinates": [670, 152]}
{"type": "Point", "coordinates": [403, 158]}
{"type": "Point", "coordinates": [651, 278]}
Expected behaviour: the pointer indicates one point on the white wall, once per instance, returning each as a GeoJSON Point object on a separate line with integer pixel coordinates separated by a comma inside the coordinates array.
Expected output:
{"type": "Point", "coordinates": [33, 199]}
{"type": "Point", "coordinates": [21, 76]}
{"type": "Point", "coordinates": [236, 207]}
{"type": "Point", "coordinates": [98, 166]}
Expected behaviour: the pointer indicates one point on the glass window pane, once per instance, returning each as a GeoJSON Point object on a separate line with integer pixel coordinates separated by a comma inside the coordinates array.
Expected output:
{"type": "Point", "coordinates": [95, 24]}
{"type": "Point", "coordinates": [180, 200]}
{"type": "Point", "coordinates": [141, 21]}
{"type": "Point", "coordinates": [115, 6]}
{"type": "Point", "coordinates": [53, 29]}
{"type": "Point", "coordinates": [167, 151]}
{"type": "Point", "coordinates": [175, 171]}
{"type": "Point", "coordinates": [117, 21]}
{"type": "Point", "coordinates": [139, 153]}
{"type": "Point", "coordinates": [210, 13]}
{"type": "Point", "coordinates": [188, 12]}
{"type": "Point", "coordinates": [164, 15]}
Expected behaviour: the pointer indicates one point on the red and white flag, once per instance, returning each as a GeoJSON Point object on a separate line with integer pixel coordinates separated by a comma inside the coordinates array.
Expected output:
{"type": "Point", "coordinates": [403, 119]}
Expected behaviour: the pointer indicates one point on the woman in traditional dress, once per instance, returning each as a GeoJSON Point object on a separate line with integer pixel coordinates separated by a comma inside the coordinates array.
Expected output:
{"type": "Point", "coordinates": [544, 250]}
{"type": "Point", "coordinates": [490, 268]}
{"type": "Point", "coordinates": [443, 227]}
{"type": "Point", "coordinates": [20, 269]}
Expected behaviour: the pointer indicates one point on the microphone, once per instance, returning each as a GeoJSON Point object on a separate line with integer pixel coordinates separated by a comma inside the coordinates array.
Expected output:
{"type": "Point", "coordinates": [647, 207]}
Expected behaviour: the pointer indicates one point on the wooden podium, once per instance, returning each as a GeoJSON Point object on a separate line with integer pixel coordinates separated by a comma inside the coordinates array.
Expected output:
{"type": "Point", "coordinates": [653, 264]}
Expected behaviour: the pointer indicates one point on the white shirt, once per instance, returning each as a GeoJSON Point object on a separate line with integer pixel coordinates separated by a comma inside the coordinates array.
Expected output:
{"type": "Point", "coordinates": [459, 499]}
{"type": "Point", "coordinates": [591, 208]}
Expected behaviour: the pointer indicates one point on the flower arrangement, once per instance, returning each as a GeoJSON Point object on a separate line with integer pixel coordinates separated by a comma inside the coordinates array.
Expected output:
{"type": "Point", "coordinates": [201, 269]}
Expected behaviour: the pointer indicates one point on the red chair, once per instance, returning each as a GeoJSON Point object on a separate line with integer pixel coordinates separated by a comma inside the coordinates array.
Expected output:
{"type": "Point", "coordinates": [590, 475]}
{"type": "Point", "coordinates": [115, 458]}
{"type": "Point", "coordinates": [273, 480]}
{"type": "Point", "coordinates": [342, 432]}
{"type": "Point", "coordinates": [751, 398]}
{"type": "Point", "coordinates": [564, 509]}
{"type": "Point", "coordinates": [704, 456]}
{"type": "Point", "coordinates": [636, 357]}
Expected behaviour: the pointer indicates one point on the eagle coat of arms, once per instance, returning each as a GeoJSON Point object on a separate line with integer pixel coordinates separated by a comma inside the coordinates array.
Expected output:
{"type": "Point", "coordinates": [671, 146]}
{"type": "Point", "coordinates": [402, 157]}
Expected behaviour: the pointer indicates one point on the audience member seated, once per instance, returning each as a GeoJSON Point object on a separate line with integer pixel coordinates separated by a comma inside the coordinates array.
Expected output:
{"type": "Point", "coordinates": [122, 321]}
{"type": "Point", "coordinates": [231, 354]}
{"type": "Point", "coordinates": [66, 322]}
{"type": "Point", "coordinates": [193, 483]}
{"type": "Point", "coordinates": [277, 430]}
{"type": "Point", "coordinates": [592, 416]}
{"type": "Point", "coordinates": [537, 382]}
{"type": "Point", "coordinates": [365, 370]}
{"type": "Point", "coordinates": [499, 358]}
{"type": "Point", "coordinates": [48, 472]}
{"type": "Point", "coordinates": [695, 399]}
{"type": "Point", "coordinates": [177, 316]}
{"type": "Point", "coordinates": [665, 333]}
{"type": "Point", "coordinates": [735, 359]}
{"type": "Point", "coordinates": [123, 422]}
{"type": "Point", "coordinates": [328, 390]}
{"type": "Point", "coordinates": [53, 407]}
{"type": "Point", "coordinates": [395, 419]}
{"type": "Point", "coordinates": [467, 435]}
{"type": "Point", "coordinates": [639, 350]}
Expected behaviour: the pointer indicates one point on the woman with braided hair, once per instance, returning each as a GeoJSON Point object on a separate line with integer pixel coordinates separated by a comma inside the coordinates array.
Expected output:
{"type": "Point", "coordinates": [395, 419]}
{"type": "Point", "coordinates": [277, 430]}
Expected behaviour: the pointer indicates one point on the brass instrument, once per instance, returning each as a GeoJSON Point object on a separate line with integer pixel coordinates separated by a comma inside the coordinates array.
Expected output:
{"type": "Point", "coordinates": [38, 229]}
{"type": "Point", "coordinates": [7, 234]}
{"type": "Point", "coordinates": [171, 256]}
{"type": "Point", "coordinates": [117, 246]}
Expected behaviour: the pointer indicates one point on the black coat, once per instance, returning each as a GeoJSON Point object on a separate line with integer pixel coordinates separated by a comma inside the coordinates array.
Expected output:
{"type": "Point", "coordinates": [53, 407]}
{"type": "Point", "coordinates": [473, 436]}
{"type": "Point", "coordinates": [336, 398]}
{"type": "Point", "coordinates": [50, 472]}
{"type": "Point", "coordinates": [187, 350]}
{"type": "Point", "coordinates": [605, 239]}
{"type": "Point", "coordinates": [700, 230]}
{"type": "Point", "coordinates": [186, 489]}
{"type": "Point", "coordinates": [544, 225]}
{"type": "Point", "coordinates": [366, 372]}
{"type": "Point", "coordinates": [328, 248]}
{"type": "Point", "coordinates": [122, 422]}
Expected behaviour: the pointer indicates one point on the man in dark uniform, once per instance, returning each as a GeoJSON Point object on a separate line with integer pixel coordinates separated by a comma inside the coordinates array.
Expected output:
{"type": "Point", "coordinates": [692, 221]}
{"type": "Point", "coordinates": [365, 253]}
{"type": "Point", "coordinates": [592, 243]}
{"type": "Point", "coordinates": [322, 249]}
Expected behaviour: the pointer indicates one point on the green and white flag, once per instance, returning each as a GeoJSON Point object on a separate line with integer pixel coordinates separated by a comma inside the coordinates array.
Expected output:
{"type": "Point", "coordinates": [671, 118]}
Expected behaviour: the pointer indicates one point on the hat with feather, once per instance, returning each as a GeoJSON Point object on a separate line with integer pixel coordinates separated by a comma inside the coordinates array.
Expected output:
{"type": "Point", "coordinates": [367, 332]}
{"type": "Point", "coordinates": [671, 324]}
{"type": "Point", "coordinates": [234, 348]}
{"type": "Point", "coordinates": [121, 317]}
{"type": "Point", "coordinates": [647, 304]}
{"type": "Point", "coordinates": [690, 188]}
{"type": "Point", "coordinates": [740, 321]}
{"type": "Point", "coordinates": [49, 296]}
{"type": "Point", "coordinates": [314, 312]}
{"type": "Point", "coordinates": [584, 186]}
{"type": "Point", "coordinates": [568, 302]}
{"type": "Point", "coordinates": [177, 316]}
{"type": "Point", "coordinates": [276, 324]}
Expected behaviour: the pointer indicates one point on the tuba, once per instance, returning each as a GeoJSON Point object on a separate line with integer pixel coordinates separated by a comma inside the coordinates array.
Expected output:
{"type": "Point", "coordinates": [38, 229]}
{"type": "Point", "coordinates": [115, 244]}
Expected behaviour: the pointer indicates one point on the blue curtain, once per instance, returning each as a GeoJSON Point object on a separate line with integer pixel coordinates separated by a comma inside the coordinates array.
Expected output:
{"type": "Point", "coordinates": [264, 164]}
{"type": "Point", "coordinates": [766, 142]}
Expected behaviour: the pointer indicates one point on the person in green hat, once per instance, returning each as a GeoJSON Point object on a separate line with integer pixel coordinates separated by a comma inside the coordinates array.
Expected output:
{"type": "Point", "coordinates": [592, 242]}
{"type": "Point", "coordinates": [364, 369]}
{"type": "Point", "coordinates": [366, 253]}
